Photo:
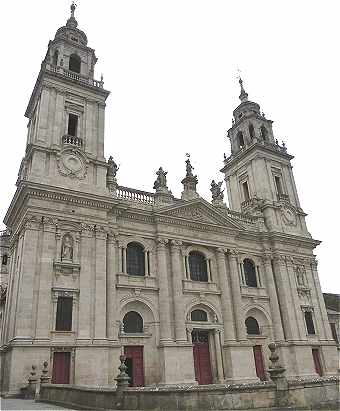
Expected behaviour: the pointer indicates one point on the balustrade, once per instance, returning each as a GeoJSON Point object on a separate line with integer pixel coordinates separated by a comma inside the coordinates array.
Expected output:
{"type": "Point", "coordinates": [72, 140]}
{"type": "Point", "coordinates": [75, 76]}
{"type": "Point", "coordinates": [131, 194]}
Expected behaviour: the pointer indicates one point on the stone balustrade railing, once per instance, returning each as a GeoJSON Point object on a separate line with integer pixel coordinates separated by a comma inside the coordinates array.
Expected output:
{"type": "Point", "coordinates": [74, 76]}
{"type": "Point", "coordinates": [5, 233]}
{"type": "Point", "coordinates": [282, 197]}
{"type": "Point", "coordinates": [131, 194]}
{"type": "Point", "coordinates": [274, 146]}
{"type": "Point", "coordinates": [241, 217]}
{"type": "Point", "coordinates": [72, 140]}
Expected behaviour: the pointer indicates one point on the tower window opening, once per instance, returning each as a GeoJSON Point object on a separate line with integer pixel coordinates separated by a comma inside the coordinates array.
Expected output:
{"type": "Point", "coordinates": [135, 259]}
{"type": "Point", "coordinates": [251, 131]}
{"type": "Point", "coordinates": [72, 125]}
{"type": "Point", "coordinates": [240, 139]}
{"type": "Point", "coordinates": [264, 133]}
{"type": "Point", "coordinates": [246, 193]}
{"type": "Point", "coordinates": [199, 315]}
{"type": "Point", "coordinates": [278, 185]}
{"type": "Point", "coordinates": [249, 272]}
{"type": "Point", "coordinates": [64, 314]}
{"type": "Point", "coordinates": [334, 333]}
{"type": "Point", "coordinates": [252, 326]}
{"type": "Point", "coordinates": [4, 259]}
{"type": "Point", "coordinates": [55, 58]}
{"type": "Point", "coordinates": [74, 63]}
{"type": "Point", "coordinates": [133, 323]}
{"type": "Point", "coordinates": [198, 267]}
{"type": "Point", "coordinates": [309, 322]}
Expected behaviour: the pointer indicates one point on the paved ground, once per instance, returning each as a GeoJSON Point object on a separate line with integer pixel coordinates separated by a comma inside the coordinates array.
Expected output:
{"type": "Point", "coordinates": [16, 404]}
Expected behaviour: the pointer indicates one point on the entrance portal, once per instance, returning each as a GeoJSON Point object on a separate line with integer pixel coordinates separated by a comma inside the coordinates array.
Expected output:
{"type": "Point", "coordinates": [259, 364]}
{"type": "Point", "coordinates": [200, 340]}
{"type": "Point", "coordinates": [135, 365]}
{"type": "Point", "coordinates": [61, 368]}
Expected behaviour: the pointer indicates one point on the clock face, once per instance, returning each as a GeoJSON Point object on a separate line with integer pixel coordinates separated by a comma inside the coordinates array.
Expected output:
{"type": "Point", "coordinates": [72, 163]}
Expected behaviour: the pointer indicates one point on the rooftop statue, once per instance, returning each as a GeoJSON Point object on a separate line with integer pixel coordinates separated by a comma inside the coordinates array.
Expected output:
{"type": "Point", "coordinates": [189, 168]}
{"type": "Point", "coordinates": [112, 167]}
{"type": "Point", "coordinates": [161, 179]}
{"type": "Point", "coordinates": [217, 193]}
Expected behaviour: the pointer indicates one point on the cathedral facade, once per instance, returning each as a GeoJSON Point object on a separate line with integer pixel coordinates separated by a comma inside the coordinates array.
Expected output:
{"type": "Point", "coordinates": [190, 291]}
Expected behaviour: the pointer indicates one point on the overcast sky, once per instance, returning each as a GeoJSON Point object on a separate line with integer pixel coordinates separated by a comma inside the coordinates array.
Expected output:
{"type": "Point", "coordinates": [171, 67]}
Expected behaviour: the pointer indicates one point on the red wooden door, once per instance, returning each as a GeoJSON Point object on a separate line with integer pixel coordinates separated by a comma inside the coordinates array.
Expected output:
{"type": "Point", "coordinates": [61, 368]}
{"type": "Point", "coordinates": [134, 355]}
{"type": "Point", "coordinates": [317, 361]}
{"type": "Point", "coordinates": [259, 364]}
{"type": "Point", "coordinates": [201, 354]}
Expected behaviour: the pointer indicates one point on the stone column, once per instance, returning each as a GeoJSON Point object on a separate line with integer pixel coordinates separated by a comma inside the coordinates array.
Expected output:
{"type": "Point", "coordinates": [227, 308]}
{"type": "Point", "coordinates": [124, 265]}
{"type": "Point", "coordinates": [237, 299]}
{"type": "Point", "coordinates": [295, 297]}
{"type": "Point", "coordinates": [100, 284]}
{"type": "Point", "coordinates": [85, 282]}
{"type": "Point", "coordinates": [319, 297]}
{"type": "Point", "coordinates": [178, 291]}
{"type": "Point", "coordinates": [273, 299]}
{"type": "Point", "coordinates": [207, 261]}
{"type": "Point", "coordinates": [164, 309]}
{"type": "Point", "coordinates": [146, 262]}
{"type": "Point", "coordinates": [23, 325]}
{"type": "Point", "coordinates": [111, 287]}
{"type": "Point", "coordinates": [285, 298]}
{"type": "Point", "coordinates": [46, 279]}
{"type": "Point", "coordinates": [219, 360]}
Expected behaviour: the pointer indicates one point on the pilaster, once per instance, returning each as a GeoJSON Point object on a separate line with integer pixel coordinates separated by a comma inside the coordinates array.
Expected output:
{"type": "Point", "coordinates": [111, 294]}
{"type": "Point", "coordinates": [100, 284]}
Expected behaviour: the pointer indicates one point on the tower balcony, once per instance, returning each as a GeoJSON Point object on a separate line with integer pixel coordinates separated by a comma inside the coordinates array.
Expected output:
{"type": "Point", "coordinates": [69, 140]}
{"type": "Point", "coordinates": [74, 76]}
{"type": "Point", "coordinates": [283, 197]}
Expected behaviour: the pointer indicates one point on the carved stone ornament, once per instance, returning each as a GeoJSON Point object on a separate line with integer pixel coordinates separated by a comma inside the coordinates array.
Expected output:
{"type": "Point", "coordinates": [288, 215]}
{"type": "Point", "coordinates": [72, 163]}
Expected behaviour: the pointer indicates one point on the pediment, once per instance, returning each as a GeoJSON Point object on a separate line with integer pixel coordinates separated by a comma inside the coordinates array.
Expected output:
{"type": "Point", "coordinates": [199, 211]}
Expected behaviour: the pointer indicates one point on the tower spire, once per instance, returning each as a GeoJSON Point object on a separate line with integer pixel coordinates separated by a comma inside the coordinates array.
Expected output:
{"type": "Point", "coordinates": [244, 95]}
{"type": "Point", "coordinates": [72, 22]}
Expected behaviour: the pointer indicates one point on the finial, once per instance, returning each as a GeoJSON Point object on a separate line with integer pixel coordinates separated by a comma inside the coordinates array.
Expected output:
{"type": "Point", "coordinates": [73, 7]}
{"type": "Point", "coordinates": [243, 96]}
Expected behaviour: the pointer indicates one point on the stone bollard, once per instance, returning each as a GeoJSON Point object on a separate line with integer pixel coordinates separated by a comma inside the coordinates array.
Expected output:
{"type": "Point", "coordinates": [45, 378]}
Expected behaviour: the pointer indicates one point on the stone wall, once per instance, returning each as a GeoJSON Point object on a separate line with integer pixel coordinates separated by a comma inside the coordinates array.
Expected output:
{"type": "Point", "coordinates": [314, 394]}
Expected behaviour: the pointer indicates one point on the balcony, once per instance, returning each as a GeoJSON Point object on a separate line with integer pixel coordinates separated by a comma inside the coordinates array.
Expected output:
{"type": "Point", "coordinates": [283, 197]}
{"type": "Point", "coordinates": [75, 76]}
{"type": "Point", "coordinates": [69, 140]}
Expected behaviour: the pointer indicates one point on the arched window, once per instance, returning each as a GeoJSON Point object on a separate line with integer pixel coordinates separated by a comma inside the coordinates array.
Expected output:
{"type": "Point", "coordinates": [55, 58]}
{"type": "Point", "coordinates": [198, 266]}
{"type": "Point", "coordinates": [135, 260]}
{"type": "Point", "coordinates": [199, 315]}
{"type": "Point", "coordinates": [264, 133]}
{"type": "Point", "coordinates": [4, 259]}
{"type": "Point", "coordinates": [251, 131]}
{"type": "Point", "coordinates": [249, 272]}
{"type": "Point", "coordinates": [74, 63]}
{"type": "Point", "coordinates": [252, 326]}
{"type": "Point", "coordinates": [240, 139]}
{"type": "Point", "coordinates": [133, 322]}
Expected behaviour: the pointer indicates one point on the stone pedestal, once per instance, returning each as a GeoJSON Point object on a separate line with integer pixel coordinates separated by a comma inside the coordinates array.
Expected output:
{"type": "Point", "coordinates": [176, 363]}
{"type": "Point", "coordinates": [239, 363]}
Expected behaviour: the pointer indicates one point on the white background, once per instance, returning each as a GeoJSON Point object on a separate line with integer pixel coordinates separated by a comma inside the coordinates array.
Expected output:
{"type": "Point", "coordinates": [171, 67]}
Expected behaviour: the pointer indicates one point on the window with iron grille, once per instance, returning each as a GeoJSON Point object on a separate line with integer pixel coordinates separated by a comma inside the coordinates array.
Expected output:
{"type": "Point", "coordinates": [198, 267]}
{"type": "Point", "coordinates": [199, 315]}
{"type": "Point", "coordinates": [249, 272]}
{"type": "Point", "coordinates": [64, 314]}
{"type": "Point", "coordinates": [309, 322]}
{"type": "Point", "coordinates": [252, 326]}
{"type": "Point", "coordinates": [135, 259]}
{"type": "Point", "coordinates": [133, 322]}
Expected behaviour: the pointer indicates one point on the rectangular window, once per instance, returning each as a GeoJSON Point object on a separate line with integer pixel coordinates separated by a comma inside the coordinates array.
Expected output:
{"type": "Point", "coordinates": [278, 185]}
{"type": "Point", "coordinates": [72, 125]}
{"type": "Point", "coordinates": [64, 314]}
{"type": "Point", "coordinates": [334, 333]}
{"type": "Point", "coordinates": [309, 322]}
{"type": "Point", "coordinates": [246, 194]}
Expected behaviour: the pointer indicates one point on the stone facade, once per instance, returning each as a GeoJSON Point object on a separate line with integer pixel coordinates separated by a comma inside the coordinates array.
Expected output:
{"type": "Point", "coordinates": [71, 225]}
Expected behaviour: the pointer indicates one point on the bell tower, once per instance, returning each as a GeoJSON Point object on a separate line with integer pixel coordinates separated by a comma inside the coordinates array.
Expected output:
{"type": "Point", "coordinates": [258, 173]}
{"type": "Point", "coordinates": [66, 112]}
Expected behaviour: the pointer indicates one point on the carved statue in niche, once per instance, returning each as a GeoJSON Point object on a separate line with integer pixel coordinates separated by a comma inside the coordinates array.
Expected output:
{"type": "Point", "coordinates": [300, 276]}
{"type": "Point", "coordinates": [67, 248]}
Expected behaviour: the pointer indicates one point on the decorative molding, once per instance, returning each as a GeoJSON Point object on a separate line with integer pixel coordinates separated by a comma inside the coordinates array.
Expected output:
{"type": "Point", "coordinates": [73, 163]}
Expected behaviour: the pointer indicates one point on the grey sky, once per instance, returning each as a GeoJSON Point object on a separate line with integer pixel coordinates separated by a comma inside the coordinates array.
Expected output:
{"type": "Point", "coordinates": [171, 68]}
